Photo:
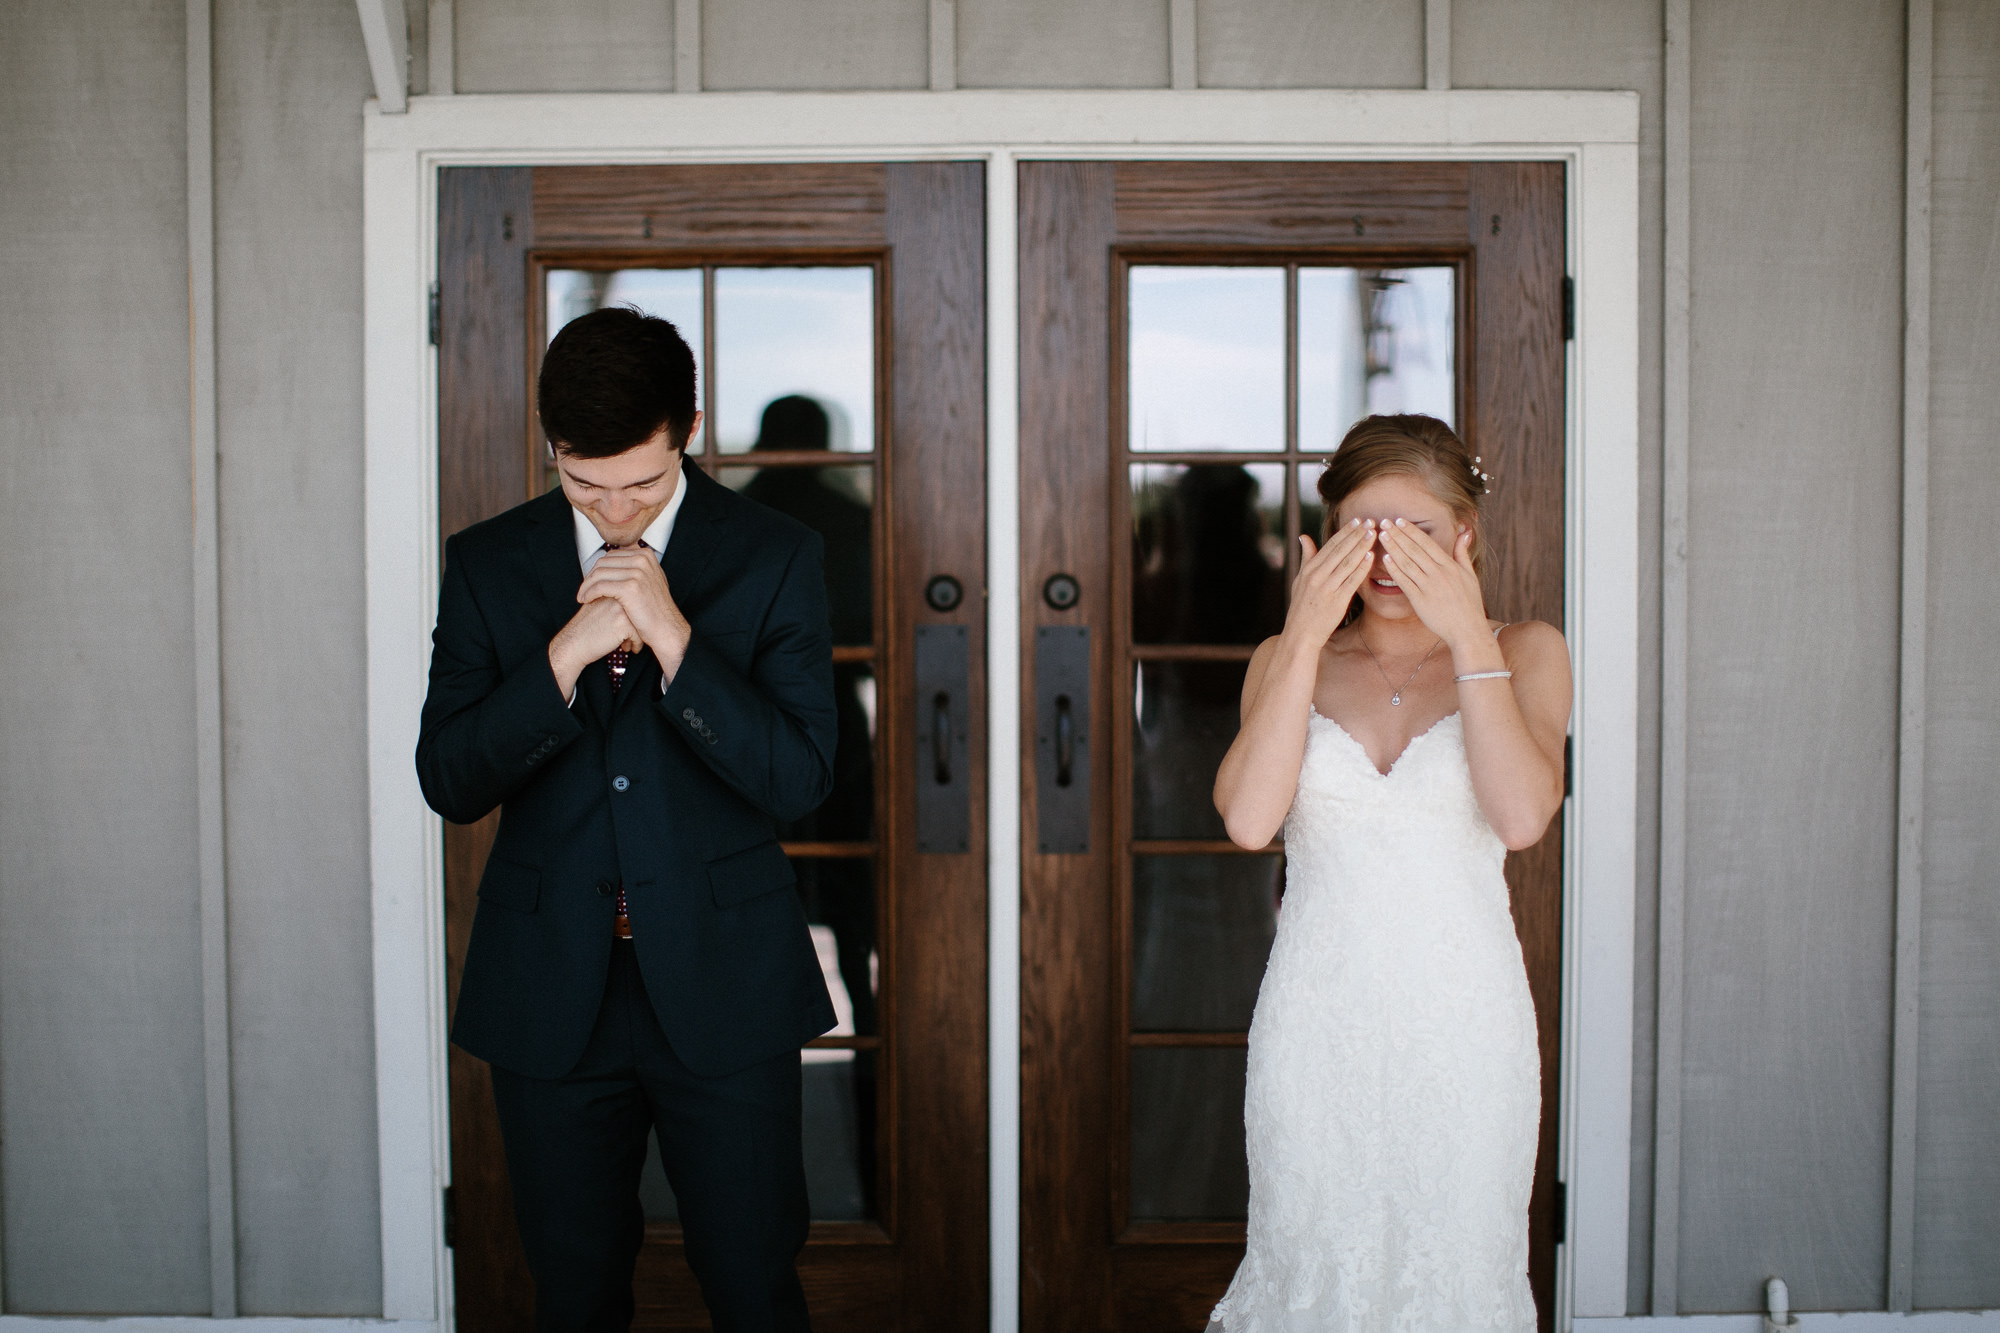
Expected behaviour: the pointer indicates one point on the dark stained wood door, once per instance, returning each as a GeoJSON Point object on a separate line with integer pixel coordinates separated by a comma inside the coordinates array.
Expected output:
{"type": "Point", "coordinates": [837, 312]}
{"type": "Point", "coordinates": [1144, 286]}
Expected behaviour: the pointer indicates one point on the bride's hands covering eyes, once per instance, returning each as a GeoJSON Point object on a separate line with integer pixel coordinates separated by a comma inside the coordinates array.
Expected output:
{"type": "Point", "coordinates": [1327, 580]}
{"type": "Point", "coordinates": [1443, 588]}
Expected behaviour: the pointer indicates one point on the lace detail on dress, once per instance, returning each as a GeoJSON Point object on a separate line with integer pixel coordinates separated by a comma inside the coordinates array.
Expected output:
{"type": "Point", "coordinates": [1394, 1082]}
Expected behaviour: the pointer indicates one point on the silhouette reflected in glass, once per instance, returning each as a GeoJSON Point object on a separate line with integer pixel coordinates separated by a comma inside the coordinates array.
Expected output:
{"type": "Point", "coordinates": [838, 892]}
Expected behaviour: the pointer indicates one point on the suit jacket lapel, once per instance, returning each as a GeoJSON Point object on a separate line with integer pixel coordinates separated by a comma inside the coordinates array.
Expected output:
{"type": "Point", "coordinates": [692, 542]}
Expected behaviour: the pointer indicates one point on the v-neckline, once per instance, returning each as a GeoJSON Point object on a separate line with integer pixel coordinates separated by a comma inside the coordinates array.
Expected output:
{"type": "Point", "coordinates": [1366, 758]}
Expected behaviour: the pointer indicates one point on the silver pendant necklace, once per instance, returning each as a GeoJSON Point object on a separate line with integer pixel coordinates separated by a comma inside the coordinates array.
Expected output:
{"type": "Point", "coordinates": [1396, 691]}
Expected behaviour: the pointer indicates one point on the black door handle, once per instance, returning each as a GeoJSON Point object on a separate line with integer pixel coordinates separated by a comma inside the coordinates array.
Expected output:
{"type": "Point", "coordinates": [1065, 740]}
{"type": "Point", "coordinates": [942, 704]}
{"type": "Point", "coordinates": [941, 738]}
{"type": "Point", "coordinates": [1062, 738]}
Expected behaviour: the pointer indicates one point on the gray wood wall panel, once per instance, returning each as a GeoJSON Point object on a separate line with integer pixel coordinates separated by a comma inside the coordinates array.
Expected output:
{"type": "Point", "coordinates": [597, 46]}
{"type": "Point", "coordinates": [1794, 467]}
{"type": "Point", "coordinates": [1957, 1244]}
{"type": "Point", "coordinates": [101, 1104]}
{"type": "Point", "coordinates": [829, 44]}
{"type": "Point", "coordinates": [1062, 44]}
{"type": "Point", "coordinates": [290, 77]}
{"type": "Point", "coordinates": [1615, 44]}
{"type": "Point", "coordinates": [1310, 44]}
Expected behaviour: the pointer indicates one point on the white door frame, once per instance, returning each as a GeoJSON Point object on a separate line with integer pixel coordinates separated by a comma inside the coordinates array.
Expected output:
{"type": "Point", "coordinates": [1595, 134]}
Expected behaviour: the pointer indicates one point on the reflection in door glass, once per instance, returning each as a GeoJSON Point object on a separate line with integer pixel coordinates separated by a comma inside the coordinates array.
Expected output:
{"type": "Point", "coordinates": [786, 332]}
{"type": "Point", "coordinates": [1184, 717]}
{"type": "Point", "coordinates": [1207, 358]}
{"type": "Point", "coordinates": [674, 294]}
{"type": "Point", "coordinates": [1208, 552]}
{"type": "Point", "coordinates": [1202, 928]}
{"type": "Point", "coordinates": [1373, 340]}
{"type": "Point", "coordinates": [835, 502]}
{"type": "Point", "coordinates": [1188, 1160]}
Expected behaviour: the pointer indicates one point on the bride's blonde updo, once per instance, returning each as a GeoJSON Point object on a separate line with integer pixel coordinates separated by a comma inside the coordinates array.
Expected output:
{"type": "Point", "coordinates": [1408, 446]}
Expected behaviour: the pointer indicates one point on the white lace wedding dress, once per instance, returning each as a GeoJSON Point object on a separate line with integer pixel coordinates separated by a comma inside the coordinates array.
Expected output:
{"type": "Point", "coordinates": [1393, 1093]}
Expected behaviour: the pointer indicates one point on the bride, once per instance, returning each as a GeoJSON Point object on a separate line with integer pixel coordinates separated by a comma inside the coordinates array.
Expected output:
{"type": "Point", "coordinates": [1404, 742]}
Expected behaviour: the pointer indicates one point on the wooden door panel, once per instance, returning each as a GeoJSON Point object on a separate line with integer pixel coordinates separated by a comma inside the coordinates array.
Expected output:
{"type": "Point", "coordinates": [1500, 227]}
{"type": "Point", "coordinates": [921, 1263]}
{"type": "Point", "coordinates": [1066, 227]}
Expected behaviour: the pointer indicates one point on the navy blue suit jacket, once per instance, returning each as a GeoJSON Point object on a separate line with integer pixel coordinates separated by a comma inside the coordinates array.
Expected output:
{"type": "Point", "coordinates": [675, 795]}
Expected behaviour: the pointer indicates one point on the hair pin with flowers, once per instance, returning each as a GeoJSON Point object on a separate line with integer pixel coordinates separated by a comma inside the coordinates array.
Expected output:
{"type": "Point", "coordinates": [1485, 478]}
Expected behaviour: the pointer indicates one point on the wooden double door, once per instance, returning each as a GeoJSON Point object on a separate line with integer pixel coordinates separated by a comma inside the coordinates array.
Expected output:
{"type": "Point", "coordinates": [1194, 338]}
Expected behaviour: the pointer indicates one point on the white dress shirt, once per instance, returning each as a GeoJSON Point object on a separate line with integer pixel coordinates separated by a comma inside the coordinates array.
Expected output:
{"type": "Point", "coordinates": [590, 546]}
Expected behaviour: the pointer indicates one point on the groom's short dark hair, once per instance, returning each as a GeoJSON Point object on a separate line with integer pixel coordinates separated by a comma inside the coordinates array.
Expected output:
{"type": "Point", "coordinates": [611, 380]}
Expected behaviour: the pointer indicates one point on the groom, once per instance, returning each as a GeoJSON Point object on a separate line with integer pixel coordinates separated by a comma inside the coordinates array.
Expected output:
{"type": "Point", "coordinates": [636, 669]}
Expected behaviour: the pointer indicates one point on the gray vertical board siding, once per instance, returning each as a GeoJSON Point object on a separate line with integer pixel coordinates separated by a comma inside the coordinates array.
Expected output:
{"type": "Point", "coordinates": [1062, 44]}
{"type": "Point", "coordinates": [104, 1168]}
{"type": "Point", "coordinates": [838, 44]}
{"type": "Point", "coordinates": [1957, 1243]}
{"type": "Point", "coordinates": [590, 46]}
{"type": "Point", "coordinates": [1310, 44]}
{"type": "Point", "coordinates": [1617, 45]}
{"type": "Point", "coordinates": [1794, 478]}
{"type": "Point", "coordinates": [290, 79]}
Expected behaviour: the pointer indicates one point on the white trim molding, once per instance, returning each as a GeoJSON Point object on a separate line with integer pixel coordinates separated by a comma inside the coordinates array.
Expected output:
{"type": "Point", "coordinates": [1595, 134]}
{"type": "Point", "coordinates": [189, 1323]}
{"type": "Point", "coordinates": [1867, 1321]}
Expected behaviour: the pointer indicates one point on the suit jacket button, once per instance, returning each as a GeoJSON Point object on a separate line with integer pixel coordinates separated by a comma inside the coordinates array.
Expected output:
{"type": "Point", "coordinates": [620, 783]}
{"type": "Point", "coordinates": [605, 888]}
{"type": "Point", "coordinates": [687, 714]}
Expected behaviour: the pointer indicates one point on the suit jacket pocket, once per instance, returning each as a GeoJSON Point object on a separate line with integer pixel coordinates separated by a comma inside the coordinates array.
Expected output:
{"type": "Point", "coordinates": [508, 885]}
{"type": "Point", "coordinates": [750, 873]}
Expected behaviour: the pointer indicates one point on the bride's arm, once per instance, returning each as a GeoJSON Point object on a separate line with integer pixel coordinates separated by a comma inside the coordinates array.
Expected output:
{"type": "Point", "coordinates": [1514, 728]}
{"type": "Point", "coordinates": [1260, 774]}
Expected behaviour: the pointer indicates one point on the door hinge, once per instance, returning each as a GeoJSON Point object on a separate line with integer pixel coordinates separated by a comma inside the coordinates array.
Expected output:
{"type": "Point", "coordinates": [1569, 766]}
{"type": "Point", "coordinates": [1559, 1221]}
{"type": "Point", "coordinates": [434, 314]}
{"type": "Point", "coordinates": [450, 1219]}
{"type": "Point", "coordinates": [1569, 308]}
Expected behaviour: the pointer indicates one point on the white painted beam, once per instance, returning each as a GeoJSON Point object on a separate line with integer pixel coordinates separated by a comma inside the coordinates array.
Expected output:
{"type": "Point", "coordinates": [209, 806]}
{"type": "Point", "coordinates": [442, 42]}
{"type": "Point", "coordinates": [1912, 709]}
{"type": "Point", "coordinates": [687, 46]}
{"type": "Point", "coordinates": [385, 31]}
{"type": "Point", "coordinates": [944, 45]}
{"type": "Point", "coordinates": [1675, 405]}
{"type": "Point", "coordinates": [1437, 45]}
{"type": "Point", "coordinates": [1181, 73]}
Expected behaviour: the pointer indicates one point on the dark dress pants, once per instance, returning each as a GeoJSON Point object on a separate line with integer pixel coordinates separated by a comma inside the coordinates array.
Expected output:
{"type": "Point", "coordinates": [731, 1147]}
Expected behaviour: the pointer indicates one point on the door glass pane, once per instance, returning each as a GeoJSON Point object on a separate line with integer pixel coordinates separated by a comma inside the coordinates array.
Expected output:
{"type": "Point", "coordinates": [1207, 358]}
{"type": "Point", "coordinates": [1373, 340]}
{"type": "Point", "coordinates": [1201, 930]}
{"type": "Point", "coordinates": [1208, 552]}
{"type": "Point", "coordinates": [1188, 1160]}
{"type": "Point", "coordinates": [835, 502]}
{"type": "Point", "coordinates": [1312, 510]}
{"type": "Point", "coordinates": [674, 294]}
{"type": "Point", "coordinates": [795, 359]}
{"type": "Point", "coordinates": [1184, 716]}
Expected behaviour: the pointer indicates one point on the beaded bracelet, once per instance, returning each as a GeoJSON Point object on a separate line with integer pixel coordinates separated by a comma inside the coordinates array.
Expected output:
{"type": "Point", "coordinates": [1485, 675]}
